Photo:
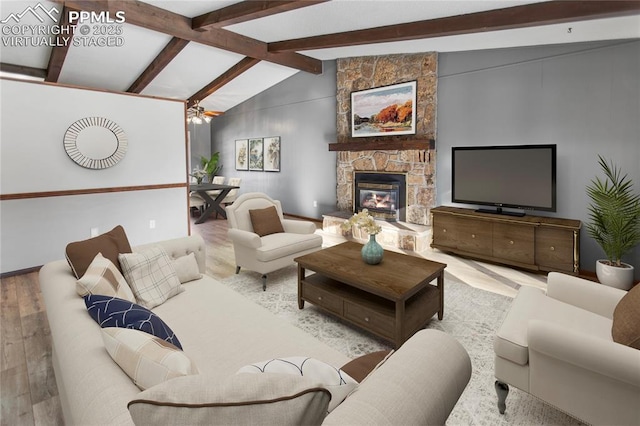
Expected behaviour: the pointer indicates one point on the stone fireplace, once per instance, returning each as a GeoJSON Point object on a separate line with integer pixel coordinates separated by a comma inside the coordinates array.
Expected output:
{"type": "Point", "coordinates": [412, 156]}
{"type": "Point", "coordinates": [384, 195]}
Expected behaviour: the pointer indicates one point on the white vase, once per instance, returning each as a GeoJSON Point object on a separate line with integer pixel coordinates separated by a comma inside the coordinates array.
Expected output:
{"type": "Point", "coordinates": [615, 276]}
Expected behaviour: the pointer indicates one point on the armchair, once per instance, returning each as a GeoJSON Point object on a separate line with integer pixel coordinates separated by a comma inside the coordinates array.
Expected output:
{"type": "Point", "coordinates": [270, 252]}
{"type": "Point", "coordinates": [558, 347]}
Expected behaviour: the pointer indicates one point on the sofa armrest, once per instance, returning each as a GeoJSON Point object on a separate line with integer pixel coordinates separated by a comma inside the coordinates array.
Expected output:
{"type": "Point", "coordinates": [298, 226]}
{"type": "Point", "coordinates": [594, 297]}
{"type": "Point", "coordinates": [604, 357]}
{"type": "Point", "coordinates": [420, 383]}
{"type": "Point", "coordinates": [244, 238]}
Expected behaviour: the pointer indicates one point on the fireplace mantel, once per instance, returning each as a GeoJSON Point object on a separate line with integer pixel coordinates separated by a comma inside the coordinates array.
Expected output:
{"type": "Point", "coordinates": [372, 145]}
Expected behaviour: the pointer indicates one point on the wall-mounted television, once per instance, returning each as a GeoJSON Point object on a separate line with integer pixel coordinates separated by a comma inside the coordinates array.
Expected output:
{"type": "Point", "coordinates": [512, 176]}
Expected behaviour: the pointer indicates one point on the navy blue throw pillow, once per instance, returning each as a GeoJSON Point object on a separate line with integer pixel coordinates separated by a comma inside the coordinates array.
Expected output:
{"type": "Point", "coordinates": [110, 311]}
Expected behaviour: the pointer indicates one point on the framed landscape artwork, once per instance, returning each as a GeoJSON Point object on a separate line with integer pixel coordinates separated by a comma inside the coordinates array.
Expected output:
{"type": "Point", "coordinates": [272, 154]}
{"type": "Point", "coordinates": [242, 159]}
{"type": "Point", "coordinates": [256, 157]}
{"type": "Point", "coordinates": [384, 111]}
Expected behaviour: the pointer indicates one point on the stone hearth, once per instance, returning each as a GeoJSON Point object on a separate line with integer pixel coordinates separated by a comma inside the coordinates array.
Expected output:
{"type": "Point", "coordinates": [400, 235]}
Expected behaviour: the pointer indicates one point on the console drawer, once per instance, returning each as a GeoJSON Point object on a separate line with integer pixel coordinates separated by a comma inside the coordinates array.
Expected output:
{"type": "Point", "coordinates": [323, 298]}
{"type": "Point", "coordinates": [444, 231]}
{"type": "Point", "coordinates": [474, 236]}
{"type": "Point", "coordinates": [370, 319]}
{"type": "Point", "coordinates": [514, 242]}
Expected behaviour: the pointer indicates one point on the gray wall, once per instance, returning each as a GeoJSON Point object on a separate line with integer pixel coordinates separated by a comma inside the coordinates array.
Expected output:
{"type": "Point", "coordinates": [584, 98]}
{"type": "Point", "coordinates": [302, 111]}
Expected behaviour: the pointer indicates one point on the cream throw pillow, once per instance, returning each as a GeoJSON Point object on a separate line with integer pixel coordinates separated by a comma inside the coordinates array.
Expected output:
{"type": "Point", "coordinates": [147, 359]}
{"type": "Point", "coordinates": [103, 278]}
{"type": "Point", "coordinates": [336, 381]}
{"type": "Point", "coordinates": [151, 276]}
{"type": "Point", "coordinates": [187, 268]}
{"type": "Point", "coordinates": [241, 399]}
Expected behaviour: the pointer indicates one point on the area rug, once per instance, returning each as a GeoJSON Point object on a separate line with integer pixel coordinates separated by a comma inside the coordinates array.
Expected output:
{"type": "Point", "coordinates": [471, 315]}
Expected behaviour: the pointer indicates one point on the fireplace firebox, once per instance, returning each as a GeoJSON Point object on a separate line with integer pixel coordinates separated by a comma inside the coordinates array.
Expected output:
{"type": "Point", "coordinates": [384, 195]}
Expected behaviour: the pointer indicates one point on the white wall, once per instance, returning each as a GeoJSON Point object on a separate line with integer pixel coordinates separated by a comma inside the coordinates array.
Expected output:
{"type": "Point", "coordinates": [34, 118]}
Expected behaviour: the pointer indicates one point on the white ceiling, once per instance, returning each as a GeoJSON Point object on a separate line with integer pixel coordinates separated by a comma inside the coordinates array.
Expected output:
{"type": "Point", "coordinates": [116, 68]}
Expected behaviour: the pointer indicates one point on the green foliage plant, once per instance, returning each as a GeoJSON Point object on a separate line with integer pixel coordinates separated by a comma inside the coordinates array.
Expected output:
{"type": "Point", "coordinates": [614, 213]}
{"type": "Point", "coordinates": [210, 165]}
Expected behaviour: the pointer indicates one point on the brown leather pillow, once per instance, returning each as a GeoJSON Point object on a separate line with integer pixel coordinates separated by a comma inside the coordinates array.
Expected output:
{"type": "Point", "coordinates": [266, 221]}
{"type": "Point", "coordinates": [80, 254]}
{"type": "Point", "coordinates": [360, 367]}
{"type": "Point", "coordinates": [626, 319]}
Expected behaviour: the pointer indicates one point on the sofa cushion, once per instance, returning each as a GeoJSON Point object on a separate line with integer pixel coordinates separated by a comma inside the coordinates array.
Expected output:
{"type": "Point", "coordinates": [80, 254]}
{"type": "Point", "coordinates": [186, 268]}
{"type": "Point", "coordinates": [242, 399]}
{"type": "Point", "coordinates": [110, 311]}
{"type": "Point", "coordinates": [339, 383]}
{"type": "Point", "coordinates": [276, 246]}
{"type": "Point", "coordinates": [265, 221]}
{"type": "Point", "coordinates": [102, 277]}
{"type": "Point", "coordinates": [151, 275]}
{"type": "Point", "coordinates": [147, 359]}
{"type": "Point", "coordinates": [532, 303]}
{"type": "Point", "coordinates": [626, 319]}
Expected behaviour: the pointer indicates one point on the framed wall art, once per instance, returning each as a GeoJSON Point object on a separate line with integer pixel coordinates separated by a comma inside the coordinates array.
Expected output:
{"type": "Point", "coordinates": [272, 154]}
{"type": "Point", "coordinates": [242, 157]}
{"type": "Point", "coordinates": [384, 111]}
{"type": "Point", "coordinates": [256, 154]}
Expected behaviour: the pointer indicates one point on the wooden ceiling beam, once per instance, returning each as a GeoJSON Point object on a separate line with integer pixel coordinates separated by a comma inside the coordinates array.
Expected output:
{"type": "Point", "coordinates": [163, 59]}
{"type": "Point", "coordinates": [223, 79]}
{"type": "Point", "coordinates": [164, 21]}
{"type": "Point", "coordinates": [23, 70]}
{"type": "Point", "coordinates": [535, 14]}
{"type": "Point", "coordinates": [246, 11]}
{"type": "Point", "coordinates": [59, 51]}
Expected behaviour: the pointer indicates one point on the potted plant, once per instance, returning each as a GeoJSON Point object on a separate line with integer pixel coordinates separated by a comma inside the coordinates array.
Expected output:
{"type": "Point", "coordinates": [210, 165]}
{"type": "Point", "coordinates": [614, 215]}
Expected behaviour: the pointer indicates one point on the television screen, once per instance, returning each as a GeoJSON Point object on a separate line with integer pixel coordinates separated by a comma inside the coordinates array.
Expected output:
{"type": "Point", "coordinates": [519, 176]}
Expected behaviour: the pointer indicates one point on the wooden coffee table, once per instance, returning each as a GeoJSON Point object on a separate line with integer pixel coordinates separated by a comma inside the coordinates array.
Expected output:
{"type": "Point", "coordinates": [393, 299]}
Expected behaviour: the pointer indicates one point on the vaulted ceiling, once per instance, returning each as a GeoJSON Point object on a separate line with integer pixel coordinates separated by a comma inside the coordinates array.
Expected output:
{"type": "Point", "coordinates": [224, 52]}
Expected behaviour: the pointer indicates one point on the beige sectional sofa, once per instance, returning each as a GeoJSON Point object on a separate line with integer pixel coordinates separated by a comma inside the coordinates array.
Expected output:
{"type": "Point", "coordinates": [221, 332]}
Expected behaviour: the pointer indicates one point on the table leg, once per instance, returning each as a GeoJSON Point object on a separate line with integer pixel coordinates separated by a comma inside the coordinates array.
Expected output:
{"type": "Point", "coordinates": [399, 337]}
{"type": "Point", "coordinates": [300, 278]}
{"type": "Point", "coordinates": [212, 204]}
{"type": "Point", "coordinates": [441, 291]}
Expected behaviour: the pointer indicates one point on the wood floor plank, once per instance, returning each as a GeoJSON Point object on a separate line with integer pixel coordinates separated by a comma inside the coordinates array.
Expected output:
{"type": "Point", "coordinates": [48, 412]}
{"type": "Point", "coordinates": [12, 348]}
{"type": "Point", "coordinates": [29, 296]}
{"type": "Point", "coordinates": [37, 346]}
{"type": "Point", "coordinates": [16, 407]}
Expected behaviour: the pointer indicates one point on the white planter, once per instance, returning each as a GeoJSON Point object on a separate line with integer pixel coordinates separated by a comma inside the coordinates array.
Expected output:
{"type": "Point", "coordinates": [614, 276]}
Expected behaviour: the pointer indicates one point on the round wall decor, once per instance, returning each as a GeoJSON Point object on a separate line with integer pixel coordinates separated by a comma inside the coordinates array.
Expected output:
{"type": "Point", "coordinates": [95, 142]}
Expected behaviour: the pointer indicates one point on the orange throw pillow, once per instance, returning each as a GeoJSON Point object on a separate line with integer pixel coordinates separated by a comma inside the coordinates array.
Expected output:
{"type": "Point", "coordinates": [266, 221]}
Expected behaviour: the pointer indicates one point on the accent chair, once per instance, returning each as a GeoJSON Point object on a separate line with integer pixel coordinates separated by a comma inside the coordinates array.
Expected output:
{"type": "Point", "coordinates": [576, 347]}
{"type": "Point", "coordinates": [267, 241]}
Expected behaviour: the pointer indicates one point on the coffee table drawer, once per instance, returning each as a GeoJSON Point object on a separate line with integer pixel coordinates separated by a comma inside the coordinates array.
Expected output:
{"type": "Point", "coordinates": [323, 298]}
{"type": "Point", "coordinates": [370, 319]}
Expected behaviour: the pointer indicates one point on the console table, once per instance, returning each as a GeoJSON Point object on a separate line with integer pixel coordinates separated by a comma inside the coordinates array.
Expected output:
{"type": "Point", "coordinates": [530, 242]}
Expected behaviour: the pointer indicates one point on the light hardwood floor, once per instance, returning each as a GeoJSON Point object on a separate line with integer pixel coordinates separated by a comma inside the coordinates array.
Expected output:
{"type": "Point", "coordinates": [27, 384]}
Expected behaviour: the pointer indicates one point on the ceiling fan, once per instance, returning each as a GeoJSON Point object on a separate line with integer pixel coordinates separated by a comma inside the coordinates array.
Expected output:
{"type": "Point", "coordinates": [198, 115]}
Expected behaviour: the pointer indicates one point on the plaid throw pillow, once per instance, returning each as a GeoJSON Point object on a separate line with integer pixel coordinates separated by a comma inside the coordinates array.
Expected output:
{"type": "Point", "coordinates": [145, 358]}
{"type": "Point", "coordinates": [151, 275]}
{"type": "Point", "coordinates": [102, 277]}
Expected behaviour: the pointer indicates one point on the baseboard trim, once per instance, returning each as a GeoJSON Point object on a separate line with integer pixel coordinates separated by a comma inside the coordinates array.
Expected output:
{"type": "Point", "coordinates": [312, 219]}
